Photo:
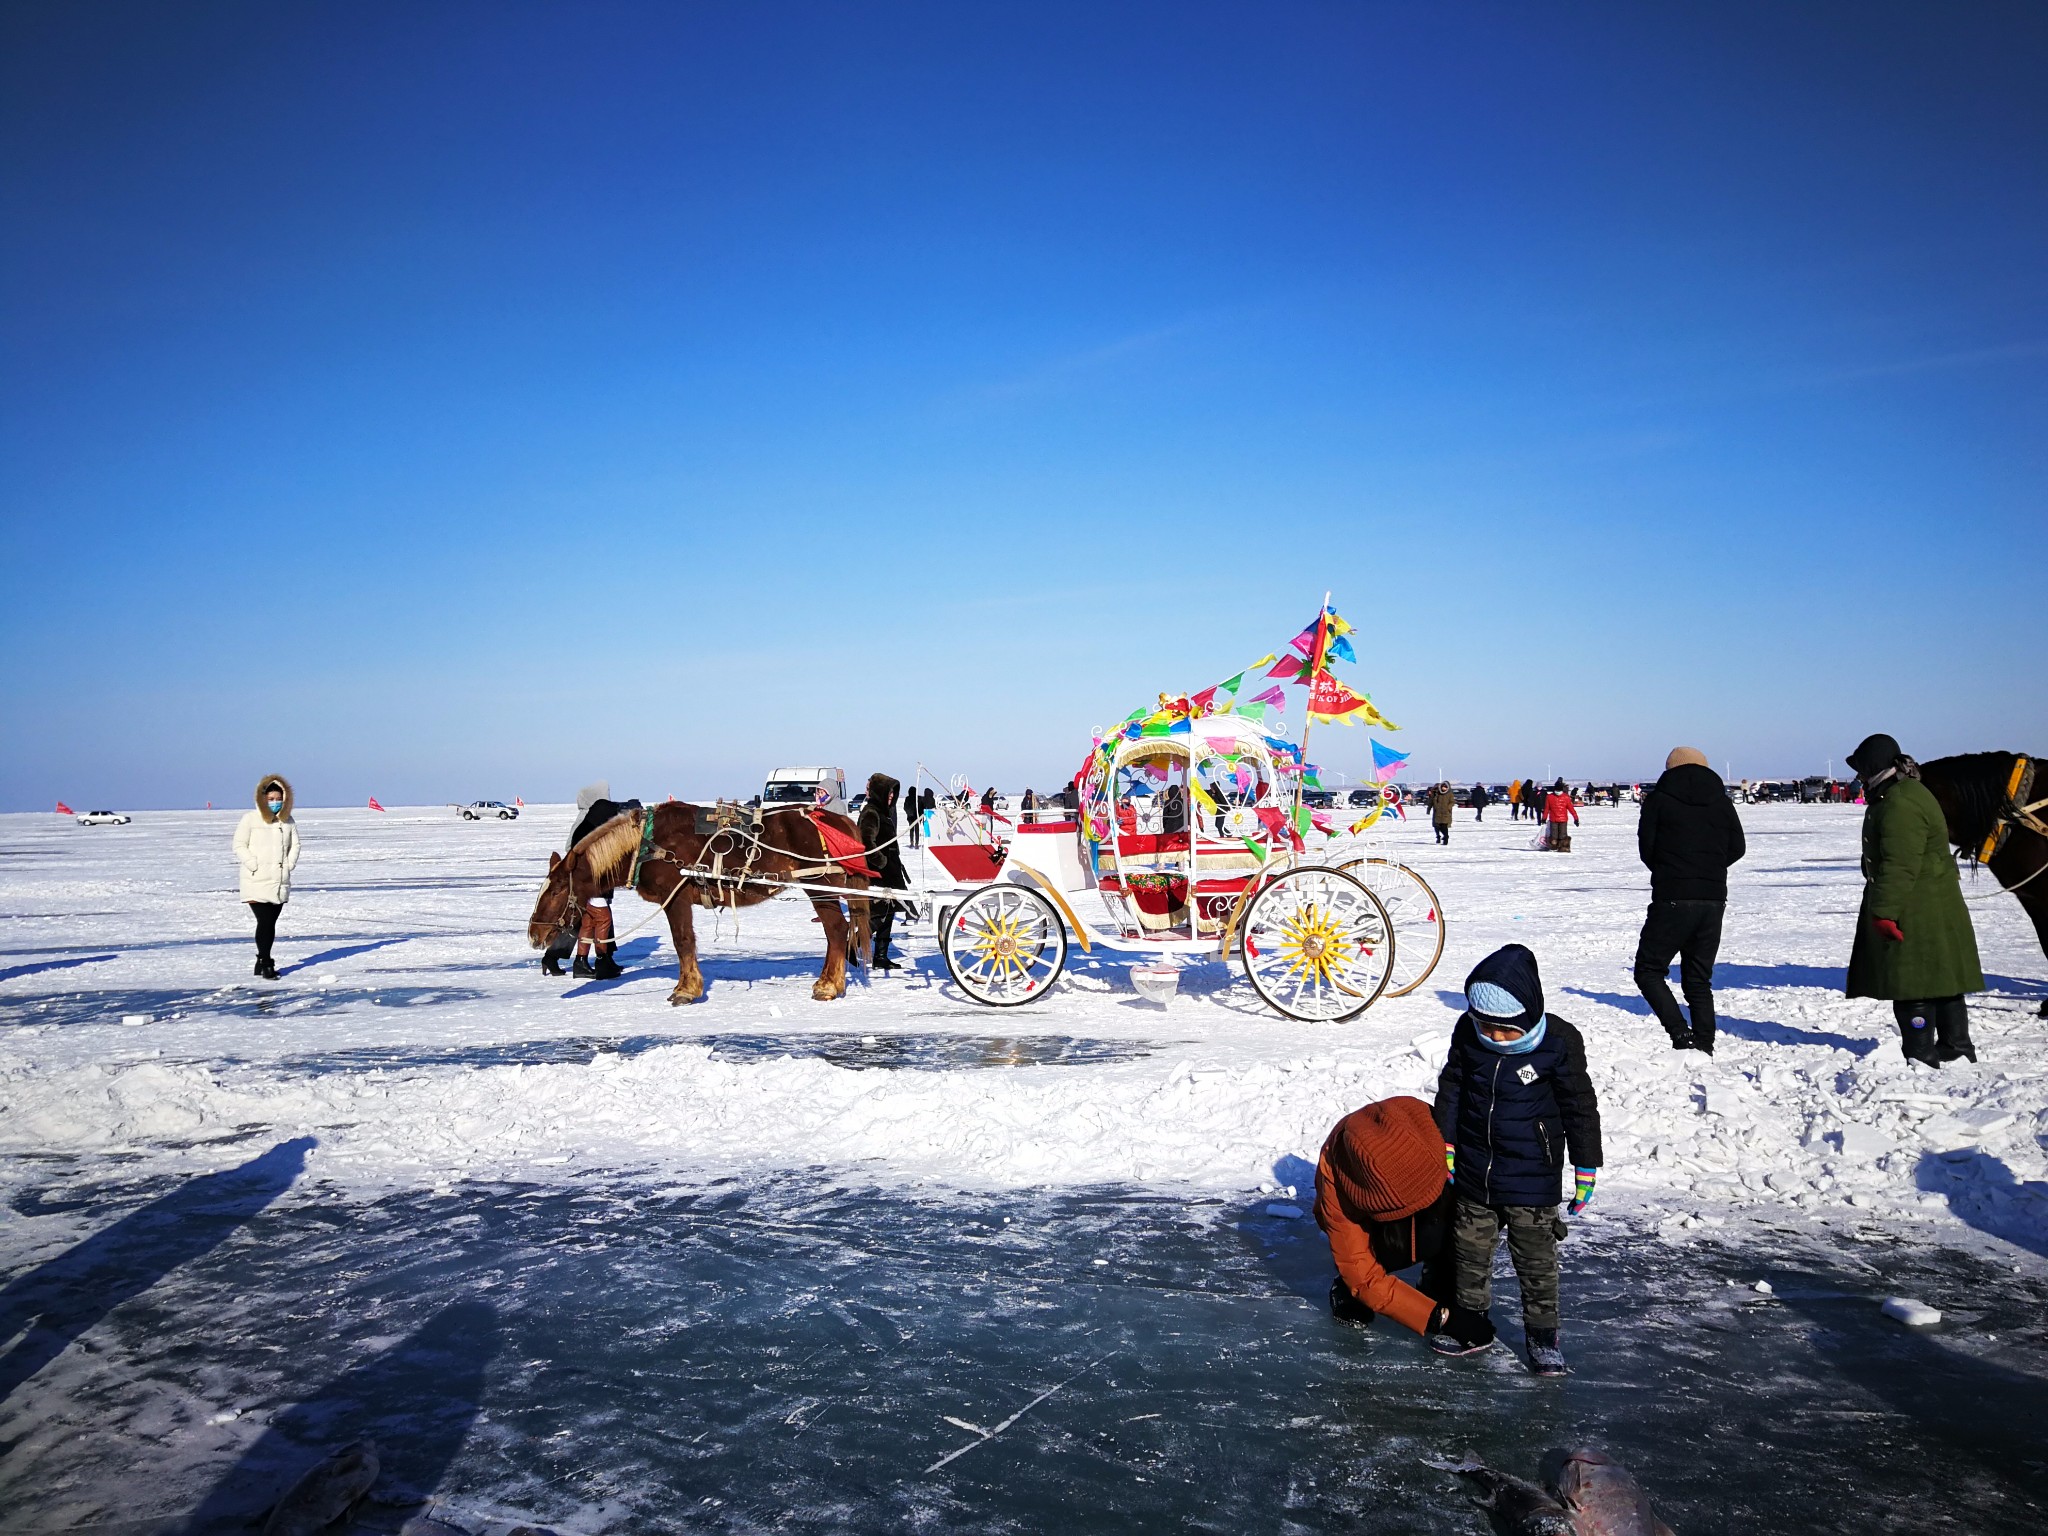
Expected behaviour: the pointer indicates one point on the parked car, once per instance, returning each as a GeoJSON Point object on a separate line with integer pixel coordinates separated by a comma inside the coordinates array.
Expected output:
{"type": "Point", "coordinates": [103, 819]}
{"type": "Point", "coordinates": [478, 810]}
{"type": "Point", "coordinates": [822, 787]}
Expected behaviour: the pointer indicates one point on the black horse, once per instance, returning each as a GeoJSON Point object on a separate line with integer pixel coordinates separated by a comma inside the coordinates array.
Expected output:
{"type": "Point", "coordinates": [1971, 790]}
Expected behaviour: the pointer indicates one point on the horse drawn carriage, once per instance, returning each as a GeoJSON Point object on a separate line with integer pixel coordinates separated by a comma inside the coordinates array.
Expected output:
{"type": "Point", "coordinates": [1190, 838]}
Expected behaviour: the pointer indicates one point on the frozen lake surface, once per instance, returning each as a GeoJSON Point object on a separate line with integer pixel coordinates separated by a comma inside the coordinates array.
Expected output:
{"type": "Point", "coordinates": [570, 1255]}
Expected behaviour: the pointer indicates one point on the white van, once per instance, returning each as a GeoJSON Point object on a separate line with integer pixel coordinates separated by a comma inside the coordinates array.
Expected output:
{"type": "Point", "coordinates": [822, 787]}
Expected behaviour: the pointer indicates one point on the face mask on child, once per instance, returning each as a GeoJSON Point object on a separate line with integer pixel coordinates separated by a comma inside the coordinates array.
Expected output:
{"type": "Point", "coordinates": [1521, 1044]}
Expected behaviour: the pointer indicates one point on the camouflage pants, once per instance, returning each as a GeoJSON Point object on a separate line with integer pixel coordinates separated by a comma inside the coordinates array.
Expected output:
{"type": "Point", "coordinates": [1533, 1233]}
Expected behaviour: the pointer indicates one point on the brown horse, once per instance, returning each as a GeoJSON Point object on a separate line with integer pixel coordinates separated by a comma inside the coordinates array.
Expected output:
{"type": "Point", "coordinates": [692, 860]}
{"type": "Point", "coordinates": [1971, 790]}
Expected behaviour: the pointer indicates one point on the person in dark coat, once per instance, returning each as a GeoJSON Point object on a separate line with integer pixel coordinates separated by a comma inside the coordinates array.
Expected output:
{"type": "Point", "coordinates": [1514, 1098]}
{"type": "Point", "coordinates": [1480, 801]}
{"type": "Point", "coordinates": [1688, 835]}
{"type": "Point", "coordinates": [913, 824]}
{"type": "Point", "coordinates": [1443, 805]}
{"type": "Point", "coordinates": [1384, 1201]}
{"type": "Point", "coordinates": [1914, 944]}
{"type": "Point", "coordinates": [885, 858]}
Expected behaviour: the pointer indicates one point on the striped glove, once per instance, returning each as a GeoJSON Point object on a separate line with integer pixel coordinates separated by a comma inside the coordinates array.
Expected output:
{"type": "Point", "coordinates": [1450, 1161]}
{"type": "Point", "coordinates": [1582, 1189]}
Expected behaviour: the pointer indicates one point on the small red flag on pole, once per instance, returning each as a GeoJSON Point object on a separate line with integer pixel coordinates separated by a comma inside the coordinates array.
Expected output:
{"type": "Point", "coordinates": [374, 805]}
{"type": "Point", "coordinates": [65, 810]}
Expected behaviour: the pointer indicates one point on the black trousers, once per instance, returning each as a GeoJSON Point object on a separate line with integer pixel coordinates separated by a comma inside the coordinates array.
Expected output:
{"type": "Point", "coordinates": [881, 925]}
{"type": "Point", "coordinates": [266, 925]}
{"type": "Point", "coordinates": [1690, 930]}
{"type": "Point", "coordinates": [1479, 813]}
{"type": "Point", "coordinates": [1443, 835]}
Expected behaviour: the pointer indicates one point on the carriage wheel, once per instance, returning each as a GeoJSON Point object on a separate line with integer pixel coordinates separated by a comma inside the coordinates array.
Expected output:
{"type": "Point", "coordinates": [1004, 945]}
{"type": "Point", "coordinates": [1417, 916]}
{"type": "Point", "coordinates": [1318, 944]}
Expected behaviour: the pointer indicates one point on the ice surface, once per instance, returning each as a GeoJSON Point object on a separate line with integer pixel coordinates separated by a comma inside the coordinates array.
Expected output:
{"type": "Point", "coordinates": [572, 1254]}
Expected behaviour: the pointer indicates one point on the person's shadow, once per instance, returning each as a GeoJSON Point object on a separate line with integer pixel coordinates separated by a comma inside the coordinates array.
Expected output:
{"type": "Point", "coordinates": [42, 1311]}
{"type": "Point", "coordinates": [415, 1402]}
{"type": "Point", "coordinates": [1763, 1031]}
{"type": "Point", "coordinates": [1987, 1194]}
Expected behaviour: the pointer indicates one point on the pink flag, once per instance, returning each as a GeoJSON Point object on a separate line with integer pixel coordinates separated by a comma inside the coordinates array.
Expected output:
{"type": "Point", "coordinates": [1273, 695]}
{"type": "Point", "coordinates": [65, 810]}
{"type": "Point", "coordinates": [374, 805]}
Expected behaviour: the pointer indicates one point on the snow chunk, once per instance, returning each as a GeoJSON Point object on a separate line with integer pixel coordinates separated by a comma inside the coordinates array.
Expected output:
{"type": "Point", "coordinates": [1914, 1314]}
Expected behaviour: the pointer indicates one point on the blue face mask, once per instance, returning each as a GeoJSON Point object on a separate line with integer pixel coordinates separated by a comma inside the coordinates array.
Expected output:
{"type": "Point", "coordinates": [275, 806]}
{"type": "Point", "coordinates": [1521, 1045]}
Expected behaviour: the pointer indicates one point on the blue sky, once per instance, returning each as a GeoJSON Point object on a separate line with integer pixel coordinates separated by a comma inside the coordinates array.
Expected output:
{"type": "Point", "coordinates": [448, 401]}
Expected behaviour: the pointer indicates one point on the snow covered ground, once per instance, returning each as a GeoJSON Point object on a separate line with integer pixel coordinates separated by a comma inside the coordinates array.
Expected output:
{"type": "Point", "coordinates": [584, 1238]}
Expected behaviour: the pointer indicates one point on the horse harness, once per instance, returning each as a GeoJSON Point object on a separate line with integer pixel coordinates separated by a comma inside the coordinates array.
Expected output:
{"type": "Point", "coordinates": [2016, 811]}
{"type": "Point", "coordinates": [720, 826]}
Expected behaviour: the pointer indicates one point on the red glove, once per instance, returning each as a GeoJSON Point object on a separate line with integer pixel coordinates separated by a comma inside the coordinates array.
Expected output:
{"type": "Point", "coordinates": [1887, 929]}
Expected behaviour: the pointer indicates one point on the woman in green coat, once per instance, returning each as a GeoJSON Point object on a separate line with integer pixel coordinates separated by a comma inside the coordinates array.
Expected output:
{"type": "Point", "coordinates": [1914, 942]}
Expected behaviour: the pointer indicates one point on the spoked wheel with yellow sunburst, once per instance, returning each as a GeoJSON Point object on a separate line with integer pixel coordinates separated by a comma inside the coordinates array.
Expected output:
{"type": "Point", "coordinates": [1004, 945]}
{"type": "Point", "coordinates": [1317, 944]}
{"type": "Point", "coordinates": [1417, 915]}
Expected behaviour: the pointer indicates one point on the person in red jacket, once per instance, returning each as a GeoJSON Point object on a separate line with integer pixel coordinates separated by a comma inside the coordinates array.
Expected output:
{"type": "Point", "coordinates": [1383, 1197]}
{"type": "Point", "coordinates": [1558, 805]}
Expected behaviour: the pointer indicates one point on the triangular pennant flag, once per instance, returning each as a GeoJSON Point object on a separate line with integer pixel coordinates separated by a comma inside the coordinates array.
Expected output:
{"type": "Point", "coordinates": [1386, 761]}
{"type": "Point", "coordinates": [374, 805]}
{"type": "Point", "coordinates": [65, 810]}
{"type": "Point", "coordinates": [1274, 695]}
{"type": "Point", "coordinates": [1291, 669]}
{"type": "Point", "coordinates": [1340, 648]}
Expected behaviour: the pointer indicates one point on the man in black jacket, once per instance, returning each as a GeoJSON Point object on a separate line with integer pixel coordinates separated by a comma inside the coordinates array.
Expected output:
{"type": "Point", "coordinates": [1688, 835]}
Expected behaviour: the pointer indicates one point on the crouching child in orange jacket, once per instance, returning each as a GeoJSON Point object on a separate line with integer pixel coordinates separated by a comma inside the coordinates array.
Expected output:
{"type": "Point", "coordinates": [1384, 1200]}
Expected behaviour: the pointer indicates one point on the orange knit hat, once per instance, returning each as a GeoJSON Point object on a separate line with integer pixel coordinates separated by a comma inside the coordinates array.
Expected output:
{"type": "Point", "coordinates": [1388, 1158]}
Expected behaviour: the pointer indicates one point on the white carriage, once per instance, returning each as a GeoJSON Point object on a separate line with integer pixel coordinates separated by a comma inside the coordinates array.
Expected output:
{"type": "Point", "coordinates": [1189, 840]}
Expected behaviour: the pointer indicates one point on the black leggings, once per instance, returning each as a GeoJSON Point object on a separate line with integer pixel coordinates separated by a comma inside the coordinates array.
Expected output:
{"type": "Point", "coordinates": [266, 925]}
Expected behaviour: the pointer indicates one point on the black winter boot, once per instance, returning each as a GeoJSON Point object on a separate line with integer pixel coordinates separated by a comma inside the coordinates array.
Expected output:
{"type": "Point", "coordinates": [606, 967]}
{"type": "Point", "coordinates": [1703, 1039]}
{"type": "Point", "coordinates": [1952, 1031]}
{"type": "Point", "coordinates": [580, 966]}
{"type": "Point", "coordinates": [1467, 1333]}
{"type": "Point", "coordinates": [1917, 1037]}
{"type": "Point", "coordinates": [1545, 1357]}
{"type": "Point", "coordinates": [1681, 1039]}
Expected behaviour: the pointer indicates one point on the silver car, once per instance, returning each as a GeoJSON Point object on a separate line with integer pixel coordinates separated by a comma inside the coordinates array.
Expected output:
{"type": "Point", "coordinates": [103, 819]}
{"type": "Point", "coordinates": [478, 810]}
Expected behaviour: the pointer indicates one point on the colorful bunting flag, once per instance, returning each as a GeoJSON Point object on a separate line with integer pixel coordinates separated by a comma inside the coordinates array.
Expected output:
{"type": "Point", "coordinates": [1386, 762]}
{"type": "Point", "coordinates": [1329, 699]}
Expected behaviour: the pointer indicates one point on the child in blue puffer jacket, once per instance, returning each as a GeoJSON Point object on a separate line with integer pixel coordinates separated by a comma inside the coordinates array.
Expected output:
{"type": "Point", "coordinates": [1513, 1099]}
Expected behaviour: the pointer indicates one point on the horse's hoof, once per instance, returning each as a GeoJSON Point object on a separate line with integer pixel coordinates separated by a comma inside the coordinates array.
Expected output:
{"type": "Point", "coordinates": [824, 994]}
{"type": "Point", "coordinates": [677, 998]}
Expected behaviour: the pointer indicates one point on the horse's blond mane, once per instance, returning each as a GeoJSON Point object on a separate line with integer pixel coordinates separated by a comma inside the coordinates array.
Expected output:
{"type": "Point", "coordinates": [606, 850]}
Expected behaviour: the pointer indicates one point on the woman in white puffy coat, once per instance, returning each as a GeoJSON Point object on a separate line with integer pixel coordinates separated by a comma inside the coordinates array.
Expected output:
{"type": "Point", "coordinates": [267, 843]}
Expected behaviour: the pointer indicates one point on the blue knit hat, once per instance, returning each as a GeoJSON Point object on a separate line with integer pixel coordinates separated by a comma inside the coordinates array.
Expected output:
{"type": "Point", "coordinates": [1505, 989]}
